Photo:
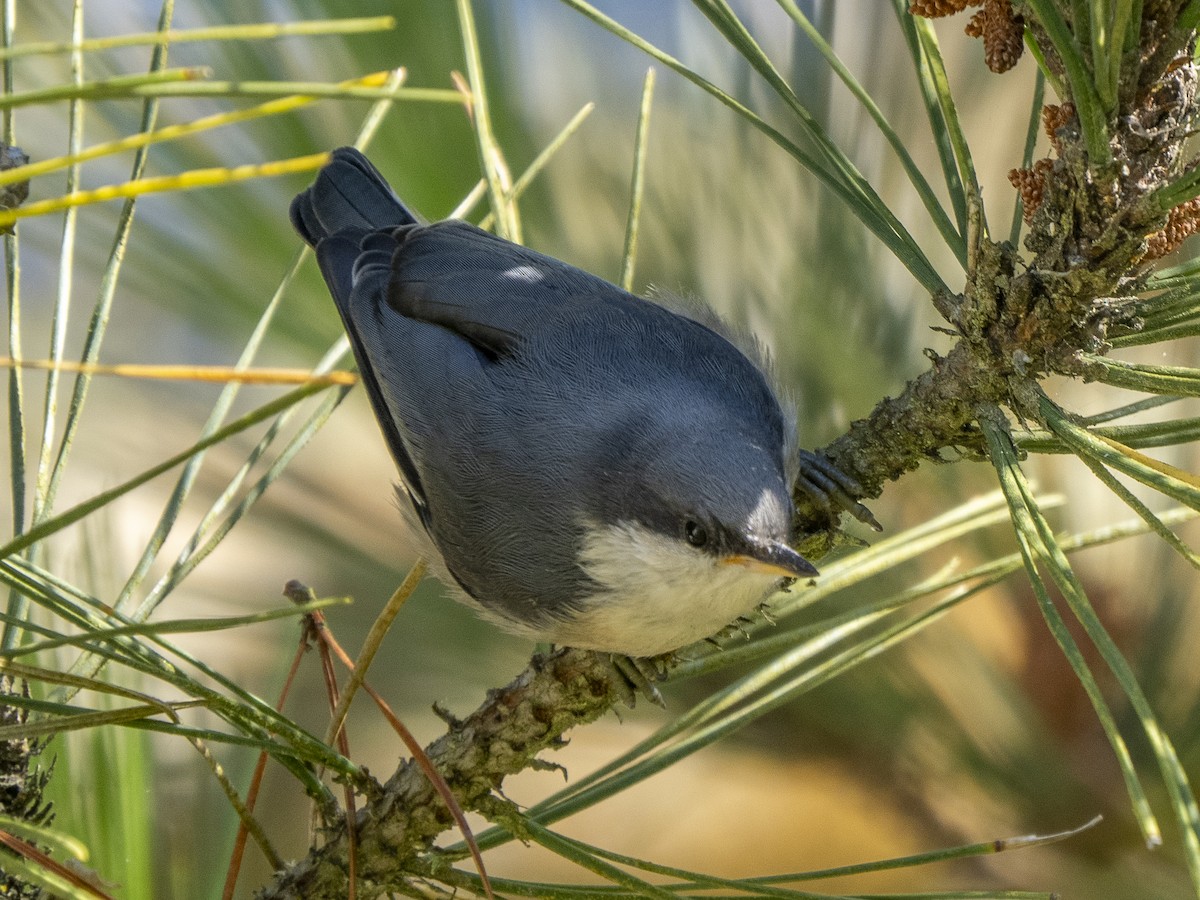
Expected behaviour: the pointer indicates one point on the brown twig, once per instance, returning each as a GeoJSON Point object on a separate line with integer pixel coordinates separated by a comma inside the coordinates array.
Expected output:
{"type": "Point", "coordinates": [260, 768]}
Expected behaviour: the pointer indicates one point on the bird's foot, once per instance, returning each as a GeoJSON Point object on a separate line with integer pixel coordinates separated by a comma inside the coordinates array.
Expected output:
{"type": "Point", "coordinates": [638, 674]}
{"type": "Point", "coordinates": [831, 488]}
{"type": "Point", "coordinates": [736, 628]}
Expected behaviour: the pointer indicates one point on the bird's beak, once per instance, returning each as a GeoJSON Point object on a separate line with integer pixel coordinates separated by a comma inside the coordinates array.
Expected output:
{"type": "Point", "coordinates": [772, 558]}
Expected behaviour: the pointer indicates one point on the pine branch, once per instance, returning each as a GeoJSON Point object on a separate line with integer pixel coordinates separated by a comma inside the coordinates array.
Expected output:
{"type": "Point", "coordinates": [1020, 324]}
{"type": "Point", "coordinates": [396, 830]}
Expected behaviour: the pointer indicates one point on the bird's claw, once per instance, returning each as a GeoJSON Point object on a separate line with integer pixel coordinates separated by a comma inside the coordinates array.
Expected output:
{"type": "Point", "coordinates": [638, 674]}
{"type": "Point", "coordinates": [831, 488]}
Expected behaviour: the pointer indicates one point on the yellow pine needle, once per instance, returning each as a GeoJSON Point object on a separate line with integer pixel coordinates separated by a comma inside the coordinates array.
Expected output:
{"type": "Point", "coordinates": [173, 132]}
{"type": "Point", "coordinates": [117, 86]}
{"type": "Point", "coordinates": [185, 181]}
{"type": "Point", "coordinates": [227, 89]}
{"type": "Point", "coordinates": [251, 32]}
{"type": "Point", "coordinates": [221, 374]}
{"type": "Point", "coordinates": [1155, 464]}
{"type": "Point", "coordinates": [540, 162]}
{"type": "Point", "coordinates": [638, 183]}
{"type": "Point", "coordinates": [491, 157]}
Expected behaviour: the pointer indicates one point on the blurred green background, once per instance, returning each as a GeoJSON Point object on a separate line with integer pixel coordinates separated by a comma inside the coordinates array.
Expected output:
{"type": "Point", "coordinates": [975, 729]}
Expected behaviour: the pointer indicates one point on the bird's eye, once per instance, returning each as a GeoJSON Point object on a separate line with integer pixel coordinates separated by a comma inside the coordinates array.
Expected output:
{"type": "Point", "coordinates": [695, 533]}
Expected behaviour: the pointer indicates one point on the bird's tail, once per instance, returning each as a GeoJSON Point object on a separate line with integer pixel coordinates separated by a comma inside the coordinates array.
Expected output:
{"type": "Point", "coordinates": [349, 193]}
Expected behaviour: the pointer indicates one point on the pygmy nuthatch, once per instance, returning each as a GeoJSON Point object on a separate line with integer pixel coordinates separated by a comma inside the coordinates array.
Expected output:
{"type": "Point", "coordinates": [583, 466]}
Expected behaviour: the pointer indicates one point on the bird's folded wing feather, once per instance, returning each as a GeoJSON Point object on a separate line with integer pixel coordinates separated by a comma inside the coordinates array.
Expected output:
{"type": "Point", "coordinates": [488, 291]}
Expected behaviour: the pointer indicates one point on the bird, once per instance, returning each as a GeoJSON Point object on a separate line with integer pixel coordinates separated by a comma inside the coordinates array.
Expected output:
{"type": "Point", "coordinates": [581, 465]}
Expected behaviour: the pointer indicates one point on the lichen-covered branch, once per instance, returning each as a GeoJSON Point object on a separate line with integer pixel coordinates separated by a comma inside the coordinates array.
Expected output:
{"type": "Point", "coordinates": [1091, 233]}
{"type": "Point", "coordinates": [22, 783]}
{"type": "Point", "coordinates": [396, 829]}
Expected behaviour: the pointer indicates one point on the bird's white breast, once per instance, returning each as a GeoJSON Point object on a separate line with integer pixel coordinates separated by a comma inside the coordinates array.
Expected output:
{"type": "Point", "coordinates": [656, 594]}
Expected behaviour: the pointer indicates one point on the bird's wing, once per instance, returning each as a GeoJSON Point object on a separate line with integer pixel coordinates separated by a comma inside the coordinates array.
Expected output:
{"type": "Point", "coordinates": [490, 292]}
{"type": "Point", "coordinates": [415, 374]}
{"type": "Point", "coordinates": [437, 317]}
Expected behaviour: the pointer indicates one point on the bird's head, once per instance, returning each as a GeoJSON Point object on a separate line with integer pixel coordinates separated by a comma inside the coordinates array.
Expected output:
{"type": "Point", "coordinates": [691, 532]}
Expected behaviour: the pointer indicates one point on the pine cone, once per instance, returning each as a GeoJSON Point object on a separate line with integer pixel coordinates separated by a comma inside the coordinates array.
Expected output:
{"type": "Point", "coordinates": [1182, 222]}
{"type": "Point", "coordinates": [1002, 31]}
{"type": "Point", "coordinates": [1031, 184]}
{"type": "Point", "coordinates": [935, 9]}
{"type": "Point", "coordinates": [1055, 117]}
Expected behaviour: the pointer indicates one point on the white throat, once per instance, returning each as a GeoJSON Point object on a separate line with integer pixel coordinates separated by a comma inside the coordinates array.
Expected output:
{"type": "Point", "coordinates": [656, 594]}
